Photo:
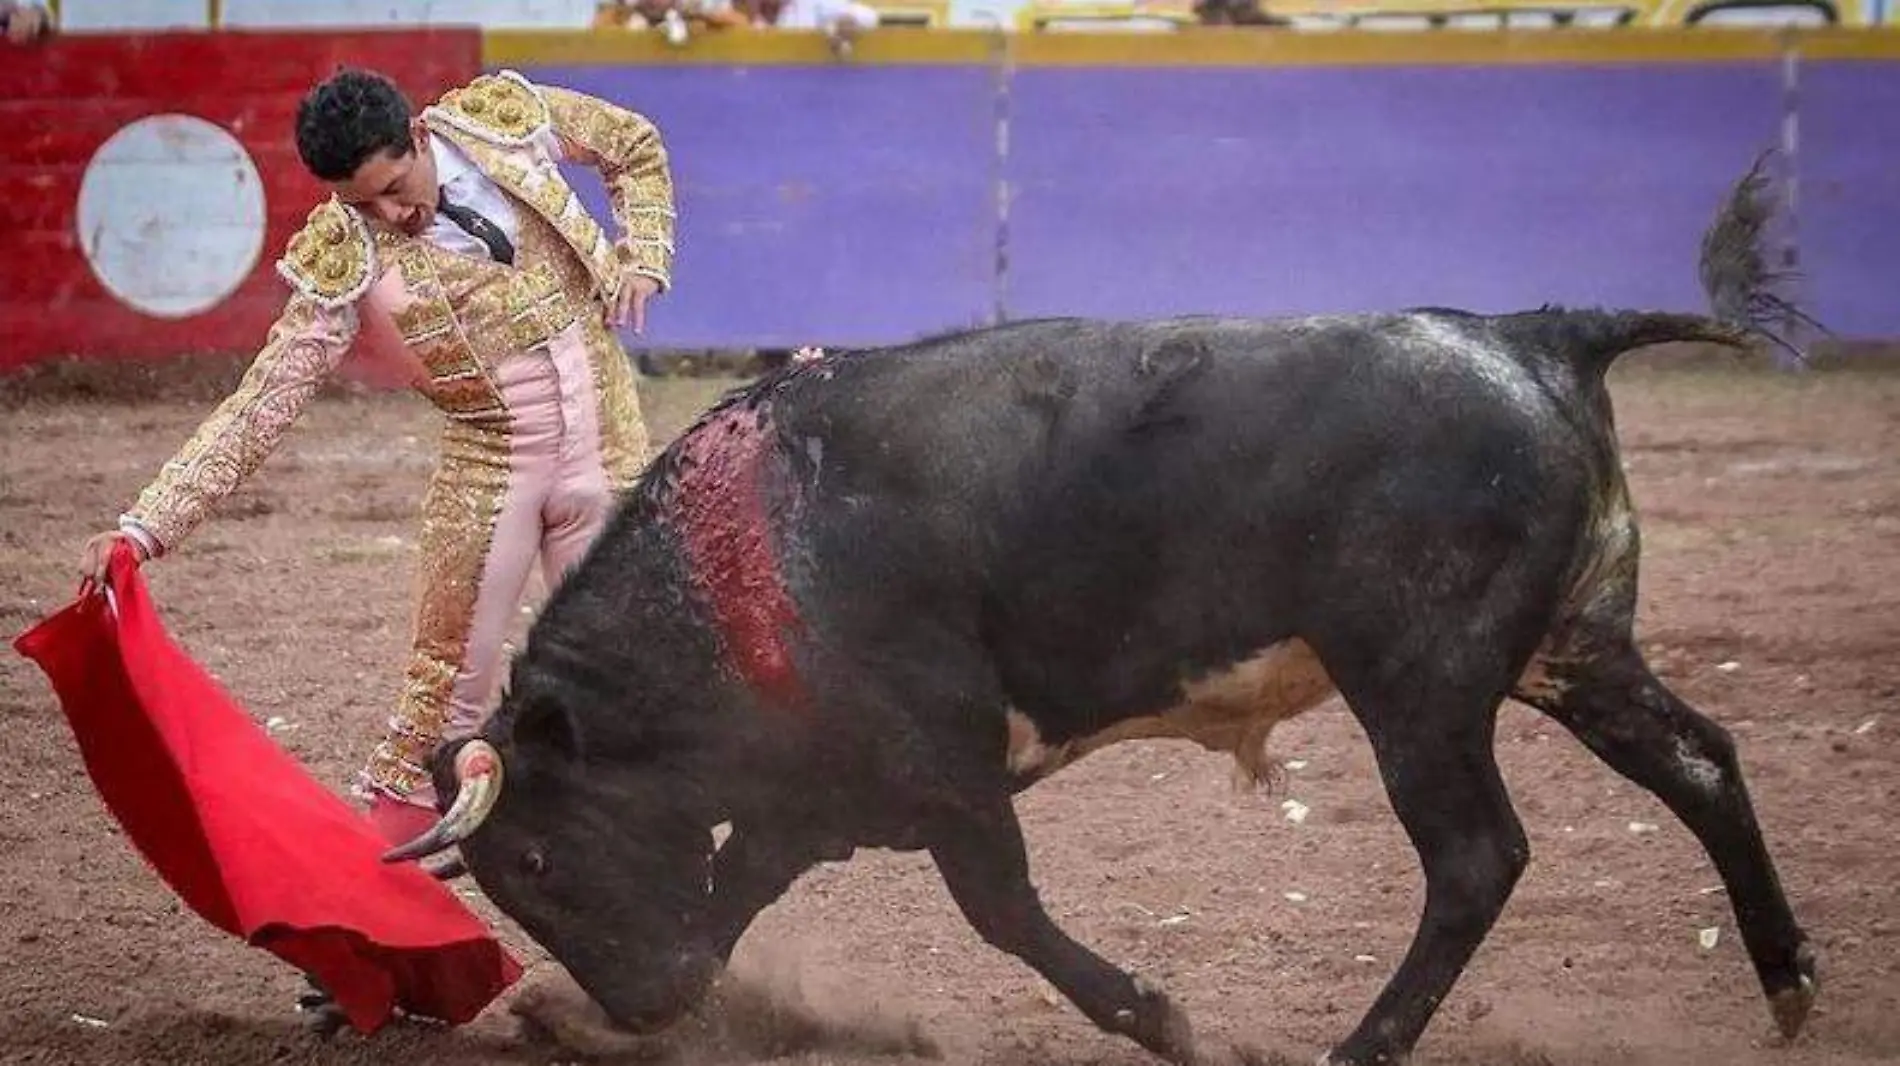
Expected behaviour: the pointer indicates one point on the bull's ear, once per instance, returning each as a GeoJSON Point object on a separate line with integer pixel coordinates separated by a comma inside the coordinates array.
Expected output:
{"type": "Point", "coordinates": [547, 728]}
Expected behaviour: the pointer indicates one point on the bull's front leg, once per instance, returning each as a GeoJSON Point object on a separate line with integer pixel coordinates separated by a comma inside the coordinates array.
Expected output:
{"type": "Point", "coordinates": [986, 869]}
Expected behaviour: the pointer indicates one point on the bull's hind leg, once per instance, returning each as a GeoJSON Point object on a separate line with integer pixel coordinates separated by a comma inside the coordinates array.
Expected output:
{"type": "Point", "coordinates": [1432, 738]}
{"type": "Point", "coordinates": [1424, 664]}
{"type": "Point", "coordinates": [1609, 699]}
{"type": "Point", "coordinates": [981, 856]}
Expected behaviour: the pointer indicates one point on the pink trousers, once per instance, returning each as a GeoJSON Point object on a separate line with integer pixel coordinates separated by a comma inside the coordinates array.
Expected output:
{"type": "Point", "coordinates": [556, 504]}
{"type": "Point", "coordinates": [555, 498]}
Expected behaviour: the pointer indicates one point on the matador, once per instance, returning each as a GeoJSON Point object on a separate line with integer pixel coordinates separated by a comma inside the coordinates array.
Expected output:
{"type": "Point", "coordinates": [452, 239]}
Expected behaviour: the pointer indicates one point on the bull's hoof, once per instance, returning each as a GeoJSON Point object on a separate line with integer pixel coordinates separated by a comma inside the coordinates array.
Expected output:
{"type": "Point", "coordinates": [1790, 1006]}
{"type": "Point", "coordinates": [1158, 1025]}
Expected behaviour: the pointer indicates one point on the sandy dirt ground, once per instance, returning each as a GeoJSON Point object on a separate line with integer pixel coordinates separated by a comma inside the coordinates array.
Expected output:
{"type": "Point", "coordinates": [1771, 598]}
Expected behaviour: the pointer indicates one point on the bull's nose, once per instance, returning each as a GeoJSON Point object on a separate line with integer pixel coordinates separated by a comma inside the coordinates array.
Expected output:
{"type": "Point", "coordinates": [654, 1019]}
{"type": "Point", "coordinates": [650, 1023]}
{"type": "Point", "coordinates": [664, 1003]}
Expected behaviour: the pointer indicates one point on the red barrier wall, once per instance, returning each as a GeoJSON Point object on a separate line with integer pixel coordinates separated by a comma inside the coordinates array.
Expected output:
{"type": "Point", "coordinates": [149, 182]}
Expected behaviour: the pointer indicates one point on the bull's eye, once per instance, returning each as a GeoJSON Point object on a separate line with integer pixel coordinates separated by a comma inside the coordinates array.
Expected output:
{"type": "Point", "coordinates": [534, 862]}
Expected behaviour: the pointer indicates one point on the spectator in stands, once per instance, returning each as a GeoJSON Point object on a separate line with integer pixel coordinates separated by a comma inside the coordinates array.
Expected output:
{"type": "Point", "coordinates": [674, 18]}
{"type": "Point", "coordinates": [1236, 13]}
{"type": "Point", "coordinates": [841, 21]}
{"type": "Point", "coordinates": [25, 23]}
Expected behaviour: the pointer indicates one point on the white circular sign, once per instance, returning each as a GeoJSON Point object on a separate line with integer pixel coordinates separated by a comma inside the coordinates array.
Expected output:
{"type": "Point", "coordinates": [171, 215]}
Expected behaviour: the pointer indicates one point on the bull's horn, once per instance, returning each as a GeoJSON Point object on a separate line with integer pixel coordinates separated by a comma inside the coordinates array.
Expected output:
{"type": "Point", "coordinates": [443, 867]}
{"type": "Point", "coordinates": [478, 773]}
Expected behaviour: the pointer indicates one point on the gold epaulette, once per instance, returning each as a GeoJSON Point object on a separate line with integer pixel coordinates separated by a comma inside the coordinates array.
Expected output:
{"type": "Point", "coordinates": [502, 109]}
{"type": "Point", "coordinates": [332, 259]}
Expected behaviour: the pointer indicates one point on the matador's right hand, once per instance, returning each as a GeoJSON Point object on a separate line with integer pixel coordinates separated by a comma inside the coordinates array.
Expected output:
{"type": "Point", "coordinates": [98, 553]}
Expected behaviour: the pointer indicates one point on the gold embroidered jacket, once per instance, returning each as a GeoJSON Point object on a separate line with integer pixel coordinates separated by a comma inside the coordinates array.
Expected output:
{"type": "Point", "coordinates": [451, 317]}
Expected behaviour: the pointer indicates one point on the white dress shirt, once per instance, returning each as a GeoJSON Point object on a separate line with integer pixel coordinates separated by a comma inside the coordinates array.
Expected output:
{"type": "Point", "coordinates": [467, 186]}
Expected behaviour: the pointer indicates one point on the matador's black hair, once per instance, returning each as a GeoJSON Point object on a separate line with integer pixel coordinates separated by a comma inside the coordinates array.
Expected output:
{"type": "Point", "coordinates": [348, 119]}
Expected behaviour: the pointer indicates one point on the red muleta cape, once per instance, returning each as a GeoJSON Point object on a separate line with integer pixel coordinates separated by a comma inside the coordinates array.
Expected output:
{"type": "Point", "coordinates": [239, 829]}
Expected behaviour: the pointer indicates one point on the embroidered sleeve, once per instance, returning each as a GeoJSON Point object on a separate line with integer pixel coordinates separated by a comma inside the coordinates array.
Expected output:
{"type": "Point", "coordinates": [304, 347]}
{"type": "Point", "coordinates": [631, 156]}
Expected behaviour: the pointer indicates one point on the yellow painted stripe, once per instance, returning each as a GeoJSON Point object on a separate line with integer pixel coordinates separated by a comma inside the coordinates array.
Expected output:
{"type": "Point", "coordinates": [1211, 48]}
{"type": "Point", "coordinates": [1883, 43]}
{"type": "Point", "coordinates": [1195, 47]}
{"type": "Point", "coordinates": [1640, 8]}
{"type": "Point", "coordinates": [507, 48]}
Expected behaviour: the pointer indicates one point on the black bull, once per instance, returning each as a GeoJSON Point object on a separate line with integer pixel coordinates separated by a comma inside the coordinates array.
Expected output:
{"type": "Point", "coordinates": [864, 602]}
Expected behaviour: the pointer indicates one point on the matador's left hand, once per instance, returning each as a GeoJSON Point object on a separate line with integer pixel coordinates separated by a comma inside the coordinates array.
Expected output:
{"type": "Point", "coordinates": [631, 305]}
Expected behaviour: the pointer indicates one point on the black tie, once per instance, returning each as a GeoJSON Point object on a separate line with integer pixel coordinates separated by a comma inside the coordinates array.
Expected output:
{"type": "Point", "coordinates": [477, 227]}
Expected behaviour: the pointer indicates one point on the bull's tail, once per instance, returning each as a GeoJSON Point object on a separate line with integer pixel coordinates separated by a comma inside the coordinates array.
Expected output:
{"type": "Point", "coordinates": [1744, 308]}
{"type": "Point", "coordinates": [1739, 283]}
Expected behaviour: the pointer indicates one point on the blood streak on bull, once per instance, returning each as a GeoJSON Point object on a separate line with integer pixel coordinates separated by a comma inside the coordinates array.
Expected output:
{"type": "Point", "coordinates": [721, 513]}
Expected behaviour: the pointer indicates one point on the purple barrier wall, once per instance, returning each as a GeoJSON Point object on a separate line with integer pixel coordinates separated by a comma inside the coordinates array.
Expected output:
{"type": "Point", "coordinates": [828, 205]}
{"type": "Point", "coordinates": [1848, 200]}
{"type": "Point", "coordinates": [854, 205]}
{"type": "Point", "coordinates": [1346, 189]}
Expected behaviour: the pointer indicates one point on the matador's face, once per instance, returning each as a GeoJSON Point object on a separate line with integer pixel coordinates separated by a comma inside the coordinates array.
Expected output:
{"type": "Point", "coordinates": [396, 188]}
